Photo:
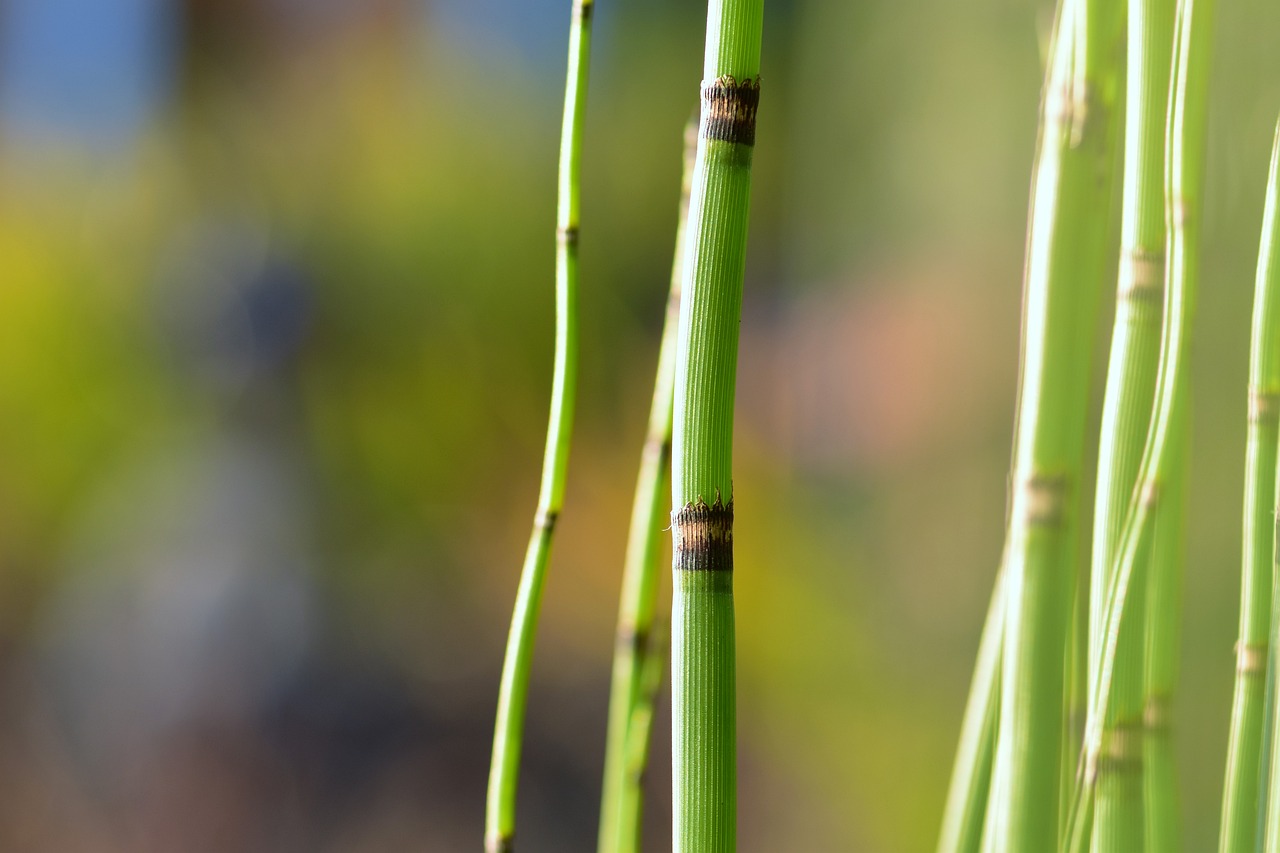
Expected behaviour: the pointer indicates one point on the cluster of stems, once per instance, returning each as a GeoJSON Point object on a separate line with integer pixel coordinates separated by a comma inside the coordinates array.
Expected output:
{"type": "Point", "coordinates": [504, 768]}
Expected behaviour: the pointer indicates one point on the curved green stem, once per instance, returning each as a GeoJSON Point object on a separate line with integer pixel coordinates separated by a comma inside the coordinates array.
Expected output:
{"type": "Point", "coordinates": [500, 803]}
{"type": "Point", "coordinates": [639, 652]}
{"type": "Point", "coordinates": [704, 722]}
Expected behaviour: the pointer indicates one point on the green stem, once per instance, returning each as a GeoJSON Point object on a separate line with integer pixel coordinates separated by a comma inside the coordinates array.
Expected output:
{"type": "Point", "coordinates": [1184, 168]}
{"type": "Point", "coordinates": [1066, 253]}
{"type": "Point", "coordinates": [1264, 430]}
{"type": "Point", "coordinates": [1126, 414]}
{"type": "Point", "coordinates": [500, 804]}
{"type": "Point", "coordinates": [1162, 644]}
{"type": "Point", "coordinates": [638, 654]}
{"type": "Point", "coordinates": [704, 723]}
{"type": "Point", "coordinates": [971, 777]}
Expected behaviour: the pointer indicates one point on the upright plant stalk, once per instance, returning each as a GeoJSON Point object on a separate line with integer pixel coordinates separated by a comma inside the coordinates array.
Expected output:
{"type": "Point", "coordinates": [1066, 253]}
{"type": "Point", "coordinates": [500, 804]}
{"type": "Point", "coordinates": [1126, 414]}
{"type": "Point", "coordinates": [1160, 794]}
{"type": "Point", "coordinates": [1260, 472]}
{"type": "Point", "coordinates": [704, 722]}
{"type": "Point", "coordinates": [639, 651]}
{"type": "Point", "coordinates": [1240, 802]}
{"type": "Point", "coordinates": [1183, 172]}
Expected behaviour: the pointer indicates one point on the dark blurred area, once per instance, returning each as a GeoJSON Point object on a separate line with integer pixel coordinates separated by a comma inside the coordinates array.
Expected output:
{"type": "Point", "coordinates": [275, 351]}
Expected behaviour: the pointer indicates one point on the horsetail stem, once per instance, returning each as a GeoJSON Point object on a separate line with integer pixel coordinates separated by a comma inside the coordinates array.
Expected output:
{"type": "Point", "coordinates": [1135, 353]}
{"type": "Point", "coordinates": [500, 804]}
{"type": "Point", "coordinates": [1240, 799]}
{"type": "Point", "coordinates": [704, 723]}
{"type": "Point", "coordinates": [1066, 251]}
{"type": "Point", "coordinates": [1184, 163]}
{"type": "Point", "coordinates": [639, 653]}
{"type": "Point", "coordinates": [1260, 470]}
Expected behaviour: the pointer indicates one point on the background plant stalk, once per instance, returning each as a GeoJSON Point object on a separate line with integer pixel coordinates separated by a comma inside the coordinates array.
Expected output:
{"type": "Point", "coordinates": [1066, 253]}
{"type": "Point", "coordinates": [504, 769]}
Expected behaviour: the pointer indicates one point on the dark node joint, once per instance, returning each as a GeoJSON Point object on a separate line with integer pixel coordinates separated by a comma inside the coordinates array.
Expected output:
{"type": "Point", "coordinates": [702, 537]}
{"type": "Point", "coordinates": [547, 520]}
{"type": "Point", "coordinates": [634, 640]}
{"type": "Point", "coordinates": [729, 110]}
{"type": "Point", "coordinates": [584, 8]}
{"type": "Point", "coordinates": [567, 236]}
{"type": "Point", "coordinates": [499, 844]}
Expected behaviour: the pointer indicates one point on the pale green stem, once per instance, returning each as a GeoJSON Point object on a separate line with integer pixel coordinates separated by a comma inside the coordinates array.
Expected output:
{"type": "Point", "coordinates": [508, 736]}
{"type": "Point", "coordinates": [1066, 256]}
{"type": "Point", "coordinates": [639, 653]}
{"type": "Point", "coordinates": [1184, 167]}
{"type": "Point", "coordinates": [704, 721]}
{"type": "Point", "coordinates": [1126, 414]}
{"type": "Point", "coordinates": [1264, 420]}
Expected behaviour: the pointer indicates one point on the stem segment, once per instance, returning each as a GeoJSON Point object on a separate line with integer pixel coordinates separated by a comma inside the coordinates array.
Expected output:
{"type": "Point", "coordinates": [704, 723]}
{"type": "Point", "coordinates": [500, 804]}
{"type": "Point", "coordinates": [638, 655]}
{"type": "Point", "coordinates": [1066, 253]}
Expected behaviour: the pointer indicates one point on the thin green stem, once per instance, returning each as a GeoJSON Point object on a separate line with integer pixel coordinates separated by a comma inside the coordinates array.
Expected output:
{"type": "Point", "coordinates": [508, 736]}
{"type": "Point", "coordinates": [638, 654]}
{"type": "Point", "coordinates": [1126, 414]}
{"type": "Point", "coordinates": [1066, 256]}
{"type": "Point", "coordinates": [971, 777]}
{"type": "Point", "coordinates": [704, 722]}
{"type": "Point", "coordinates": [1183, 168]}
{"type": "Point", "coordinates": [1264, 431]}
{"type": "Point", "coordinates": [1240, 803]}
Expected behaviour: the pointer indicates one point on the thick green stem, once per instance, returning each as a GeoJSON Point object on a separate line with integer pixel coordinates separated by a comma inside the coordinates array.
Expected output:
{"type": "Point", "coordinates": [639, 652]}
{"type": "Point", "coordinates": [1260, 476]}
{"type": "Point", "coordinates": [704, 723]}
{"type": "Point", "coordinates": [1126, 414]}
{"type": "Point", "coordinates": [1066, 256]}
{"type": "Point", "coordinates": [1184, 168]}
{"type": "Point", "coordinates": [504, 769]}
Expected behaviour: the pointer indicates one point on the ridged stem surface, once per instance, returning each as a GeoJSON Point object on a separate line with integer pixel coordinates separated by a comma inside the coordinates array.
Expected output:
{"type": "Point", "coordinates": [640, 651]}
{"type": "Point", "coordinates": [504, 769]}
{"type": "Point", "coordinates": [1066, 256]}
{"type": "Point", "coordinates": [704, 722]}
{"type": "Point", "coordinates": [1184, 168]}
{"type": "Point", "coordinates": [1126, 413]}
{"type": "Point", "coordinates": [1261, 504]}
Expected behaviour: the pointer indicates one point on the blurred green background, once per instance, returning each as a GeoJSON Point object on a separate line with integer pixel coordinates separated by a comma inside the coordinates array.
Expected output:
{"type": "Point", "coordinates": [275, 350]}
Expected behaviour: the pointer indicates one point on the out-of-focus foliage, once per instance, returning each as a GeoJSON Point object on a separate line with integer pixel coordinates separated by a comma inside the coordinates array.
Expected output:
{"type": "Point", "coordinates": [274, 367]}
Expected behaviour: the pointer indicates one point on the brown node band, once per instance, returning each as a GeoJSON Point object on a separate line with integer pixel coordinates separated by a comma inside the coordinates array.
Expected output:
{"type": "Point", "coordinates": [702, 537]}
{"type": "Point", "coordinates": [729, 110]}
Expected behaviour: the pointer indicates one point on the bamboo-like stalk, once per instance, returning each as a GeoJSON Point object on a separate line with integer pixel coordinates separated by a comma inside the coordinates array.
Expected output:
{"type": "Point", "coordinates": [1126, 413]}
{"type": "Point", "coordinates": [962, 820]}
{"type": "Point", "coordinates": [1260, 471]}
{"type": "Point", "coordinates": [639, 651]}
{"type": "Point", "coordinates": [704, 721]}
{"type": "Point", "coordinates": [1162, 643]}
{"type": "Point", "coordinates": [1240, 799]}
{"type": "Point", "coordinates": [1066, 253]}
{"type": "Point", "coordinates": [500, 803]}
{"type": "Point", "coordinates": [1183, 173]}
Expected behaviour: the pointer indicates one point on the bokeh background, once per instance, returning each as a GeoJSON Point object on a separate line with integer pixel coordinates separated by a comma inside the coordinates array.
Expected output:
{"type": "Point", "coordinates": [275, 352]}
